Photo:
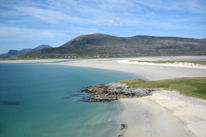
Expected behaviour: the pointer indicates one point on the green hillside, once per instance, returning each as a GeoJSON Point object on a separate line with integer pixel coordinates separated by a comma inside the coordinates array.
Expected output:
{"type": "Point", "coordinates": [102, 45]}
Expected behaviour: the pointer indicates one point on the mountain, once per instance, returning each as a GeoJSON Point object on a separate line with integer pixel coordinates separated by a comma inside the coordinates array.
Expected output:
{"type": "Point", "coordinates": [41, 47]}
{"type": "Point", "coordinates": [13, 53]}
{"type": "Point", "coordinates": [102, 45]}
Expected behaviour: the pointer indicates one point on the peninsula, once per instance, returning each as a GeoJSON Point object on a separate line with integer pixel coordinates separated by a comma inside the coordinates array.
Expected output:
{"type": "Point", "coordinates": [131, 88]}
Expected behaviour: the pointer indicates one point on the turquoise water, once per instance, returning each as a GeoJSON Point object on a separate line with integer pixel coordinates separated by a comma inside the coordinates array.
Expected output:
{"type": "Point", "coordinates": [45, 101]}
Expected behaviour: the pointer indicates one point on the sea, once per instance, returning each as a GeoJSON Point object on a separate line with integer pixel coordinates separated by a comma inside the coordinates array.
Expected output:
{"type": "Point", "coordinates": [39, 100]}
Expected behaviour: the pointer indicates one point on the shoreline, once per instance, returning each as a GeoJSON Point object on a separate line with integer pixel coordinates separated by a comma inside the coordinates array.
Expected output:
{"type": "Point", "coordinates": [164, 113]}
{"type": "Point", "coordinates": [33, 61]}
{"type": "Point", "coordinates": [150, 72]}
{"type": "Point", "coordinates": [161, 114]}
{"type": "Point", "coordinates": [171, 124]}
{"type": "Point", "coordinates": [145, 71]}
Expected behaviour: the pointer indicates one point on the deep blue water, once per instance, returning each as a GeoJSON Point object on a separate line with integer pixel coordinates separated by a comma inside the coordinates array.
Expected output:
{"type": "Point", "coordinates": [45, 101]}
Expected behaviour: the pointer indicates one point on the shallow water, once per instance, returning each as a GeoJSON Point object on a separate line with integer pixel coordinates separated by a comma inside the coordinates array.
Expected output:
{"type": "Point", "coordinates": [45, 101]}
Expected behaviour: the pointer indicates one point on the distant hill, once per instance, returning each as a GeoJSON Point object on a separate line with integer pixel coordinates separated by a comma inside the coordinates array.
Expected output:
{"type": "Point", "coordinates": [13, 53]}
{"type": "Point", "coordinates": [102, 45]}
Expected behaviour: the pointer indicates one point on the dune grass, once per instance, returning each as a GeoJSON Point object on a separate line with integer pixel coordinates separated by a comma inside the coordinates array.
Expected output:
{"type": "Point", "coordinates": [195, 87]}
{"type": "Point", "coordinates": [200, 62]}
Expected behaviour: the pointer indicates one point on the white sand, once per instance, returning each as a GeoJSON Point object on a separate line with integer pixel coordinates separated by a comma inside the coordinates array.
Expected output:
{"type": "Point", "coordinates": [164, 114]}
{"type": "Point", "coordinates": [175, 64]}
{"type": "Point", "coordinates": [150, 72]}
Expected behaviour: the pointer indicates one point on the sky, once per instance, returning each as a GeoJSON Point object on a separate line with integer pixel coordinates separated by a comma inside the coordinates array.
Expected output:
{"type": "Point", "coordinates": [29, 23]}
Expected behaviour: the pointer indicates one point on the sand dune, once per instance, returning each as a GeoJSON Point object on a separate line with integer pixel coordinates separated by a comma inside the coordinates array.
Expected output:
{"type": "Point", "coordinates": [176, 64]}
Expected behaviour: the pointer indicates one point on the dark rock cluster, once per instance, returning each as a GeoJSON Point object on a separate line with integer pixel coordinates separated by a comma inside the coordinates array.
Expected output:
{"type": "Point", "coordinates": [114, 91]}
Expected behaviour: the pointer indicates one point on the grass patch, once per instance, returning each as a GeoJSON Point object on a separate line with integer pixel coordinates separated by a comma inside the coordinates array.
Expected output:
{"type": "Point", "coordinates": [195, 87]}
{"type": "Point", "coordinates": [200, 62]}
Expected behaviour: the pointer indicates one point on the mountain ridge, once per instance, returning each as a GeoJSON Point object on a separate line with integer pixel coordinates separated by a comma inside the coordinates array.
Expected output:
{"type": "Point", "coordinates": [13, 53]}
{"type": "Point", "coordinates": [104, 45]}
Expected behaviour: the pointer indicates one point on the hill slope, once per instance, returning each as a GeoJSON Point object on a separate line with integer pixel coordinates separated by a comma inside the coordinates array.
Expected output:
{"type": "Point", "coordinates": [13, 53]}
{"type": "Point", "coordinates": [102, 45]}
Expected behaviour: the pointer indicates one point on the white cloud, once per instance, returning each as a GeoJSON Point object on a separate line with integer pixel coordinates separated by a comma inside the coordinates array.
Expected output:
{"type": "Point", "coordinates": [7, 32]}
{"type": "Point", "coordinates": [115, 22]}
{"type": "Point", "coordinates": [21, 33]}
{"type": "Point", "coordinates": [195, 6]}
{"type": "Point", "coordinates": [99, 12]}
{"type": "Point", "coordinates": [86, 16]}
{"type": "Point", "coordinates": [50, 16]}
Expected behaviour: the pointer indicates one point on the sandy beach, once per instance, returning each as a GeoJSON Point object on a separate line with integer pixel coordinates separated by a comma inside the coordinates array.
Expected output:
{"type": "Point", "coordinates": [164, 113]}
{"type": "Point", "coordinates": [147, 71]}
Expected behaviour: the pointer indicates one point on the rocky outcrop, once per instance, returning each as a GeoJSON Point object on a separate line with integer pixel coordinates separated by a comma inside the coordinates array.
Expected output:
{"type": "Point", "coordinates": [114, 91]}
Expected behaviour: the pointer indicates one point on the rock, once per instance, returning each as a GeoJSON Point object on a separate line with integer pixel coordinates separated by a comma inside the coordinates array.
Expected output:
{"type": "Point", "coordinates": [114, 91]}
{"type": "Point", "coordinates": [123, 126]}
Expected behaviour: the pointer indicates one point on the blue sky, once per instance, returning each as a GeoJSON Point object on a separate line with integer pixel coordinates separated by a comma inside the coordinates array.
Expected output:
{"type": "Point", "coordinates": [29, 23]}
